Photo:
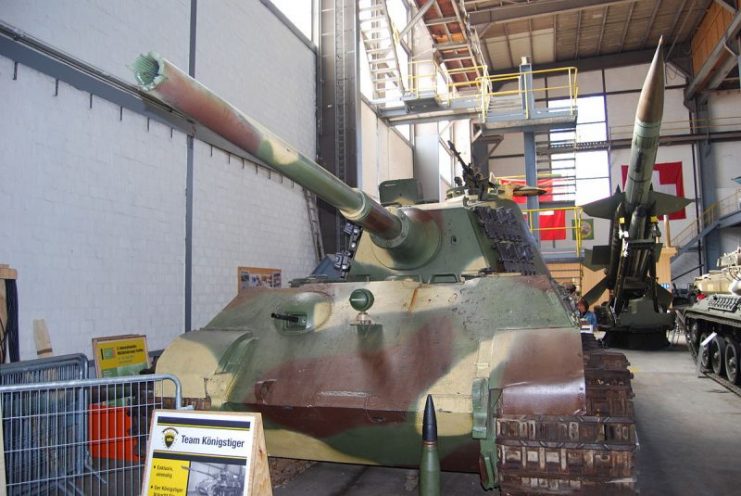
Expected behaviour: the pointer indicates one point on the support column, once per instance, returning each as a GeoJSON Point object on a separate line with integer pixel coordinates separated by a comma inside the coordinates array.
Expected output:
{"type": "Point", "coordinates": [189, 157]}
{"type": "Point", "coordinates": [531, 168]}
{"type": "Point", "coordinates": [339, 93]}
{"type": "Point", "coordinates": [531, 179]}
{"type": "Point", "coordinates": [709, 244]}
{"type": "Point", "coordinates": [427, 159]}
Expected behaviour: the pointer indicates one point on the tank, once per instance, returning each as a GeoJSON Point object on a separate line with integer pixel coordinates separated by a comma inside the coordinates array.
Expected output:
{"type": "Point", "coordinates": [447, 299]}
{"type": "Point", "coordinates": [716, 312]}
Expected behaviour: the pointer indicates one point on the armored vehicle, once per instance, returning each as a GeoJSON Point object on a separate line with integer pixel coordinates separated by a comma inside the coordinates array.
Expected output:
{"type": "Point", "coordinates": [717, 309]}
{"type": "Point", "coordinates": [450, 299]}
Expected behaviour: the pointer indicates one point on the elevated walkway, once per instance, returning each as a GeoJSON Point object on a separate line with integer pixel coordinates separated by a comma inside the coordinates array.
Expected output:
{"type": "Point", "coordinates": [514, 109]}
{"type": "Point", "coordinates": [719, 215]}
{"type": "Point", "coordinates": [453, 81]}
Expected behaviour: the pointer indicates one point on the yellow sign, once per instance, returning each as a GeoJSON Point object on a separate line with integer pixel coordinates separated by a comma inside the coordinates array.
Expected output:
{"type": "Point", "coordinates": [117, 356]}
{"type": "Point", "coordinates": [168, 477]}
{"type": "Point", "coordinates": [204, 453]}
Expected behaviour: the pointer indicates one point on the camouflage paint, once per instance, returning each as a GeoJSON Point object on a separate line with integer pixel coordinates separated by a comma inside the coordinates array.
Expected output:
{"type": "Point", "coordinates": [452, 317]}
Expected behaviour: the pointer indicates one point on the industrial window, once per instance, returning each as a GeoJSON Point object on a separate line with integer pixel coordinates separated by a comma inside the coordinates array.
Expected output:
{"type": "Point", "coordinates": [582, 176]}
{"type": "Point", "coordinates": [299, 13]}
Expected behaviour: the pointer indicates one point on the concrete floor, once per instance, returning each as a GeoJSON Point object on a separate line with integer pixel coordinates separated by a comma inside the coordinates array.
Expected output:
{"type": "Point", "coordinates": [689, 430]}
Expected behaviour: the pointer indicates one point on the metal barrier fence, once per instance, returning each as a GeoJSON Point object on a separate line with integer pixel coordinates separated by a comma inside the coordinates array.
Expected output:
{"type": "Point", "coordinates": [86, 436]}
{"type": "Point", "coordinates": [62, 368]}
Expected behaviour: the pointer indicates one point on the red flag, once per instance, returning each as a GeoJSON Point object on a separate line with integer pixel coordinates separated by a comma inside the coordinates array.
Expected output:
{"type": "Point", "coordinates": [667, 178]}
{"type": "Point", "coordinates": [552, 225]}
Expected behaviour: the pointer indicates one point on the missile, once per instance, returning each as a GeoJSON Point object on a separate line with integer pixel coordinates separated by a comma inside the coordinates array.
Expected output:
{"type": "Point", "coordinates": [631, 256]}
{"type": "Point", "coordinates": [646, 133]}
{"type": "Point", "coordinates": [429, 466]}
{"type": "Point", "coordinates": [645, 143]}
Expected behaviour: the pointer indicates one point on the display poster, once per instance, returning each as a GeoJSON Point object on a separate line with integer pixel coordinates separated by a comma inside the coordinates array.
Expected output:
{"type": "Point", "coordinates": [256, 277]}
{"type": "Point", "coordinates": [193, 453]}
{"type": "Point", "coordinates": [117, 356]}
{"type": "Point", "coordinates": [586, 227]}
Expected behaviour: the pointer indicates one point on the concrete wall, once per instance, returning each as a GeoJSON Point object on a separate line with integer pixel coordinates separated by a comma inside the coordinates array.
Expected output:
{"type": "Point", "coordinates": [92, 198]}
{"type": "Point", "coordinates": [385, 154]}
{"type": "Point", "coordinates": [244, 218]}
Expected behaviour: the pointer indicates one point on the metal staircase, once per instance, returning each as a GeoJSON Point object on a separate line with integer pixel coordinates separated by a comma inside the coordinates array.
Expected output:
{"type": "Point", "coordinates": [556, 160]}
{"type": "Point", "coordinates": [316, 232]}
{"type": "Point", "coordinates": [381, 41]}
{"type": "Point", "coordinates": [721, 214]}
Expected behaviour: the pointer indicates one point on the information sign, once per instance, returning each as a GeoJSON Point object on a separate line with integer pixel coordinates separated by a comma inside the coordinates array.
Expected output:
{"type": "Point", "coordinates": [117, 356]}
{"type": "Point", "coordinates": [194, 452]}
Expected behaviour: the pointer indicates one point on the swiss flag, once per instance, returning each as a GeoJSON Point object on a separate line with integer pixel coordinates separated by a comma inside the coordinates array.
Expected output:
{"type": "Point", "coordinates": [552, 225]}
{"type": "Point", "coordinates": [667, 178]}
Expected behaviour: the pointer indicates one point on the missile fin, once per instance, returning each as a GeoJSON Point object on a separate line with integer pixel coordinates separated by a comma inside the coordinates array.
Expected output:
{"type": "Point", "coordinates": [598, 257]}
{"type": "Point", "coordinates": [596, 291]}
{"type": "Point", "coordinates": [666, 204]}
{"type": "Point", "coordinates": [664, 296]}
{"type": "Point", "coordinates": [604, 208]}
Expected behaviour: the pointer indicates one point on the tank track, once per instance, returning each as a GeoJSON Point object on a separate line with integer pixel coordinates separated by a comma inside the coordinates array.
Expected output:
{"type": "Point", "coordinates": [591, 454]}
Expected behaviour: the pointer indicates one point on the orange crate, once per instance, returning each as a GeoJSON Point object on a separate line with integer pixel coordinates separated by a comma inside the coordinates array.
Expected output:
{"type": "Point", "coordinates": [109, 428]}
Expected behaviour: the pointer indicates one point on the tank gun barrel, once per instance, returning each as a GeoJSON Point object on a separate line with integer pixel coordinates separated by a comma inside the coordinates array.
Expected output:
{"type": "Point", "coordinates": [160, 78]}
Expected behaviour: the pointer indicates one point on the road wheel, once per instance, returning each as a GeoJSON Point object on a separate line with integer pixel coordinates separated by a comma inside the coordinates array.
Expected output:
{"type": "Point", "coordinates": [717, 348]}
{"type": "Point", "coordinates": [732, 361]}
{"type": "Point", "coordinates": [691, 335]}
{"type": "Point", "coordinates": [704, 352]}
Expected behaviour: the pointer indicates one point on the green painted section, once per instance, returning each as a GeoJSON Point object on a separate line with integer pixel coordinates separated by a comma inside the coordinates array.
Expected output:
{"type": "Point", "coordinates": [425, 329]}
{"type": "Point", "coordinates": [429, 472]}
{"type": "Point", "coordinates": [450, 284]}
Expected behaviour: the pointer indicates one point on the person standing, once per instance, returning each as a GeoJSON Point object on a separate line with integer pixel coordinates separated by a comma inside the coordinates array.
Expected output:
{"type": "Point", "coordinates": [582, 309]}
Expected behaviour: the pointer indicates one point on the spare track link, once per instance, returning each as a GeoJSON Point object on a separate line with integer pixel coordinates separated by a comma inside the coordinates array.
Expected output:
{"type": "Point", "coordinates": [591, 454]}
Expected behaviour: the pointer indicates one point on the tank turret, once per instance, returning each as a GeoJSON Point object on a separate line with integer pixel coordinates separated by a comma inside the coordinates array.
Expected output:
{"type": "Point", "coordinates": [450, 300]}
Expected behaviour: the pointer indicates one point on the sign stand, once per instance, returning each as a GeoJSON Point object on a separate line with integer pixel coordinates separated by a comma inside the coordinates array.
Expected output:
{"type": "Point", "coordinates": [193, 452]}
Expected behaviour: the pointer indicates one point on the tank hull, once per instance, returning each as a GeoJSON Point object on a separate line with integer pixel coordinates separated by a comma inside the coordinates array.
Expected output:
{"type": "Point", "coordinates": [355, 393]}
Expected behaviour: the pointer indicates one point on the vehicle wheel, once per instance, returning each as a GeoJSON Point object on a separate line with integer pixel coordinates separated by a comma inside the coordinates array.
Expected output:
{"type": "Point", "coordinates": [694, 332]}
{"type": "Point", "coordinates": [691, 334]}
{"type": "Point", "coordinates": [717, 348]}
{"type": "Point", "coordinates": [704, 352]}
{"type": "Point", "coordinates": [732, 361]}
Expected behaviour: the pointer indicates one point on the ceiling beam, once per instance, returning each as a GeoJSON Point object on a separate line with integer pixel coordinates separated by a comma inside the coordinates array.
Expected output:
{"type": "Point", "coordinates": [509, 48]}
{"type": "Point", "coordinates": [602, 31]}
{"type": "Point", "coordinates": [705, 78]}
{"type": "Point", "coordinates": [677, 14]}
{"type": "Point", "coordinates": [726, 6]}
{"type": "Point", "coordinates": [530, 10]}
{"type": "Point", "coordinates": [650, 26]}
{"type": "Point", "coordinates": [578, 35]}
{"type": "Point", "coordinates": [627, 25]}
{"type": "Point", "coordinates": [607, 61]}
{"type": "Point", "coordinates": [419, 15]}
{"type": "Point", "coordinates": [675, 21]}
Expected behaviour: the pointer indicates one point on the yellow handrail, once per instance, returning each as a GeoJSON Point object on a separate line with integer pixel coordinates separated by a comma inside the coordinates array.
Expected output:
{"type": "Point", "coordinates": [709, 216]}
{"type": "Point", "coordinates": [479, 90]}
{"type": "Point", "coordinates": [576, 226]}
{"type": "Point", "coordinates": [571, 87]}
